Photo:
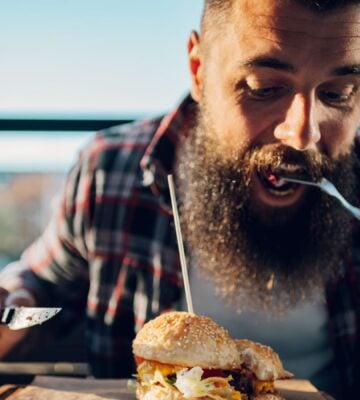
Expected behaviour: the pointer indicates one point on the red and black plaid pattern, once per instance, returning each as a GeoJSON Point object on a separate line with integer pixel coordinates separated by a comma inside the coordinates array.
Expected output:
{"type": "Point", "coordinates": [111, 247]}
{"type": "Point", "coordinates": [111, 242]}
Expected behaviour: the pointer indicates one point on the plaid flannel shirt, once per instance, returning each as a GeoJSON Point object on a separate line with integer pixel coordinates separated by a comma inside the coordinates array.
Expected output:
{"type": "Point", "coordinates": [112, 247]}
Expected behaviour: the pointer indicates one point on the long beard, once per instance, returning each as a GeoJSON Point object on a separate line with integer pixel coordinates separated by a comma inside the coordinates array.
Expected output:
{"type": "Point", "coordinates": [261, 258]}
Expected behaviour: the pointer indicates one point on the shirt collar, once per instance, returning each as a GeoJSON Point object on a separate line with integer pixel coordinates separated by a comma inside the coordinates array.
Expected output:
{"type": "Point", "coordinates": [158, 159]}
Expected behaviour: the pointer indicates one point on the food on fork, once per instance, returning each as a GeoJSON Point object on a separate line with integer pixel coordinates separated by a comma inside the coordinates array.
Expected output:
{"type": "Point", "coordinates": [181, 355]}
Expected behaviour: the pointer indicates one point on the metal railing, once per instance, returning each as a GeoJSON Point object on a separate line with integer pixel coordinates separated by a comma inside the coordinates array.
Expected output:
{"type": "Point", "coordinates": [58, 124]}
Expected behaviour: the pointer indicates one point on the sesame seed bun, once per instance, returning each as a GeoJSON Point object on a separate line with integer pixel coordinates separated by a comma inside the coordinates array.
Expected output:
{"type": "Point", "coordinates": [189, 340]}
{"type": "Point", "coordinates": [262, 360]}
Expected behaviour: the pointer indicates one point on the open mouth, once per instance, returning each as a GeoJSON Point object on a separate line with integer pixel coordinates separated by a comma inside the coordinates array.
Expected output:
{"type": "Point", "coordinates": [276, 185]}
{"type": "Point", "coordinates": [277, 191]}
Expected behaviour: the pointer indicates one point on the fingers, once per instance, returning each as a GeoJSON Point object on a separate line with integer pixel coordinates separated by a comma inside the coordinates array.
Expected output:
{"type": "Point", "coordinates": [10, 338]}
{"type": "Point", "coordinates": [20, 297]}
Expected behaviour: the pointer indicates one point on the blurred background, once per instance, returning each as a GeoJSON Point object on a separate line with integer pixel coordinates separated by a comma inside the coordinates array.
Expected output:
{"type": "Point", "coordinates": [67, 69]}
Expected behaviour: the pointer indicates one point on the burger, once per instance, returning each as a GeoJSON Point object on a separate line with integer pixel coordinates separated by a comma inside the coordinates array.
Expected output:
{"type": "Point", "coordinates": [181, 355]}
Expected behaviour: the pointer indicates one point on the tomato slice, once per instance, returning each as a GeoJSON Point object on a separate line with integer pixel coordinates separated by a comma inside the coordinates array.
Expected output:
{"type": "Point", "coordinates": [208, 373]}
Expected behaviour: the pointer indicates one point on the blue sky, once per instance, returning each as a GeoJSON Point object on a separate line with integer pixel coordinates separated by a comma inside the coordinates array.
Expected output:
{"type": "Point", "coordinates": [98, 57]}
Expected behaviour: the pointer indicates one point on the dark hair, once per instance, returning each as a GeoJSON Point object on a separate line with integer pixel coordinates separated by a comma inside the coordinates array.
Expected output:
{"type": "Point", "coordinates": [216, 12]}
{"type": "Point", "coordinates": [319, 6]}
{"type": "Point", "coordinates": [322, 6]}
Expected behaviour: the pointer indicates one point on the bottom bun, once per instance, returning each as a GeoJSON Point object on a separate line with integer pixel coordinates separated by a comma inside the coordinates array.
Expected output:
{"type": "Point", "coordinates": [157, 392]}
{"type": "Point", "coordinates": [268, 396]}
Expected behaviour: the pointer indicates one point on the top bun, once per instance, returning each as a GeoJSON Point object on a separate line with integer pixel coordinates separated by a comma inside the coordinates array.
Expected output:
{"type": "Point", "coordinates": [185, 339]}
{"type": "Point", "coordinates": [262, 360]}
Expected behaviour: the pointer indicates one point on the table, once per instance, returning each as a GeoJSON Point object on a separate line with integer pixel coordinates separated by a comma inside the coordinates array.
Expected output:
{"type": "Point", "coordinates": [108, 388]}
{"type": "Point", "coordinates": [291, 389]}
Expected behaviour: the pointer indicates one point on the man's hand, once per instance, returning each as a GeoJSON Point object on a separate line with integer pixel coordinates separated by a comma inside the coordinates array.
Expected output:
{"type": "Point", "coordinates": [9, 338]}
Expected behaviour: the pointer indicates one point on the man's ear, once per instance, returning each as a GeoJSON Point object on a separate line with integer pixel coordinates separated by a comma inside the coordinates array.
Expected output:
{"type": "Point", "coordinates": [195, 65]}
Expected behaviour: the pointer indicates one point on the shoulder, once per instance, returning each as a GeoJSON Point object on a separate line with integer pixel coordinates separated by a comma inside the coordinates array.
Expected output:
{"type": "Point", "coordinates": [139, 131]}
{"type": "Point", "coordinates": [128, 140]}
{"type": "Point", "coordinates": [135, 134]}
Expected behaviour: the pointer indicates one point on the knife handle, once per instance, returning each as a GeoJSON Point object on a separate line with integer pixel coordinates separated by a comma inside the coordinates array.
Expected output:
{"type": "Point", "coordinates": [6, 315]}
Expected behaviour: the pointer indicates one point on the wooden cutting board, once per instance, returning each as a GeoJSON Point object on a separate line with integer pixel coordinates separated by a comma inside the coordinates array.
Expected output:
{"type": "Point", "coordinates": [38, 393]}
{"type": "Point", "coordinates": [56, 388]}
{"type": "Point", "coordinates": [297, 389]}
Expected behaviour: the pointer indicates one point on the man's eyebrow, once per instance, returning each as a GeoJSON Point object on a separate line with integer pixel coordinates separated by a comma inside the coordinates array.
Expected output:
{"type": "Point", "coordinates": [347, 70]}
{"type": "Point", "coordinates": [270, 62]}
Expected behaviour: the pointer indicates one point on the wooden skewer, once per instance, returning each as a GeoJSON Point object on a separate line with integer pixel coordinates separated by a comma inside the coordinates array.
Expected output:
{"type": "Point", "coordinates": [180, 245]}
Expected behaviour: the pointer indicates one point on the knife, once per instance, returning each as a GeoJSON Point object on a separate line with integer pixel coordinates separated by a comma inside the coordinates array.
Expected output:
{"type": "Point", "coordinates": [24, 317]}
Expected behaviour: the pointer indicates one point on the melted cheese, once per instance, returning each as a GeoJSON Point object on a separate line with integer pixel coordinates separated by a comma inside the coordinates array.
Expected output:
{"type": "Point", "coordinates": [149, 368]}
{"type": "Point", "coordinates": [263, 387]}
{"type": "Point", "coordinates": [188, 381]}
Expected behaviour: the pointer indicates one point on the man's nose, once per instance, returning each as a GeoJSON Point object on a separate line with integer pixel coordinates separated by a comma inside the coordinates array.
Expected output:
{"type": "Point", "coordinates": [299, 127]}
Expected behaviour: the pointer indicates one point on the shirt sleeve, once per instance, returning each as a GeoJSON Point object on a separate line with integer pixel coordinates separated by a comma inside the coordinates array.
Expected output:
{"type": "Point", "coordinates": [55, 267]}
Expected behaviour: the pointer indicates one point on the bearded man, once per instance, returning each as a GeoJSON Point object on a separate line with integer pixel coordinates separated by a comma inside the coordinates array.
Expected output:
{"type": "Point", "coordinates": [275, 93]}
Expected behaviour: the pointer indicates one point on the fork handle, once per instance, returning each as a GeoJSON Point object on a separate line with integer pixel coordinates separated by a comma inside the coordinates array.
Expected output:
{"type": "Point", "coordinates": [331, 190]}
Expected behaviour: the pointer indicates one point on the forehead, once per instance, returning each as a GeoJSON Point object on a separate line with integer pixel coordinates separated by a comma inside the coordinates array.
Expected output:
{"type": "Point", "coordinates": [285, 26]}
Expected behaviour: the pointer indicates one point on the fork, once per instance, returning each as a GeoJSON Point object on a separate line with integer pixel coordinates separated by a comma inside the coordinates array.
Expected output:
{"type": "Point", "coordinates": [329, 188]}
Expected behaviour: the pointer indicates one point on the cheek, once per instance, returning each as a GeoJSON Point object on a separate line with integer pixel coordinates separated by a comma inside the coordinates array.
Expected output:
{"type": "Point", "coordinates": [235, 127]}
{"type": "Point", "coordinates": [338, 138]}
{"type": "Point", "coordinates": [233, 135]}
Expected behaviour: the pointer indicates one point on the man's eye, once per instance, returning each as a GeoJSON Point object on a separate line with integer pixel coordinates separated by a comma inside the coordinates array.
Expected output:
{"type": "Point", "coordinates": [264, 93]}
{"type": "Point", "coordinates": [337, 97]}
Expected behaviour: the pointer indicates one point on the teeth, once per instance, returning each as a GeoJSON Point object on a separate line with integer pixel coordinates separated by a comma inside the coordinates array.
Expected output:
{"type": "Point", "coordinates": [284, 170]}
{"type": "Point", "coordinates": [281, 193]}
{"type": "Point", "coordinates": [275, 184]}
{"type": "Point", "coordinates": [290, 168]}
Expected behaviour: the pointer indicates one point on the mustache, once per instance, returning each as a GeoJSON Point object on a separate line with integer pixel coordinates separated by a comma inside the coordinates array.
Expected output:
{"type": "Point", "coordinates": [279, 159]}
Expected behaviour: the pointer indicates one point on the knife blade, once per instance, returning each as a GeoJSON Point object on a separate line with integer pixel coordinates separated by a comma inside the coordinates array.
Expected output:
{"type": "Point", "coordinates": [25, 317]}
